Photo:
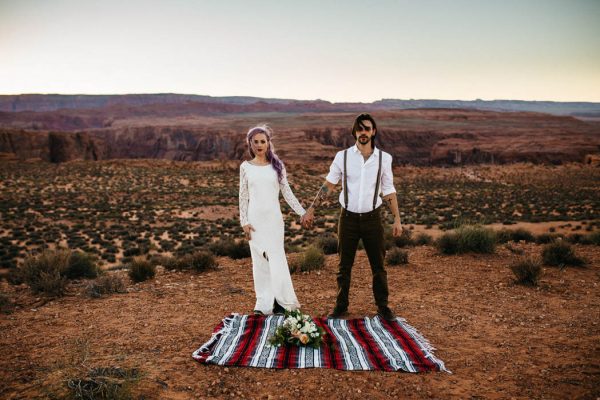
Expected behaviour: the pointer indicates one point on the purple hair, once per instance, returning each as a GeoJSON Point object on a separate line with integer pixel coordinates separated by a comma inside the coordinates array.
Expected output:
{"type": "Point", "coordinates": [271, 156]}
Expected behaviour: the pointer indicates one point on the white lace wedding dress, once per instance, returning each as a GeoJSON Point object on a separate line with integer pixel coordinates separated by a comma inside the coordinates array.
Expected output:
{"type": "Point", "coordinates": [259, 207]}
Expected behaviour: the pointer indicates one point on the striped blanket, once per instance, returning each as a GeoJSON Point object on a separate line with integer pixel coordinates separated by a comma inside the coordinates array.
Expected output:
{"type": "Point", "coordinates": [355, 344]}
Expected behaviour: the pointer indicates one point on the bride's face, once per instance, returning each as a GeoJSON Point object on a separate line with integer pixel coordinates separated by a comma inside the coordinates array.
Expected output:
{"type": "Point", "coordinates": [260, 144]}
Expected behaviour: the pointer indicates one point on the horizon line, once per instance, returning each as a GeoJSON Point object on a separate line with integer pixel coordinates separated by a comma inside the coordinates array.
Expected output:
{"type": "Point", "coordinates": [294, 99]}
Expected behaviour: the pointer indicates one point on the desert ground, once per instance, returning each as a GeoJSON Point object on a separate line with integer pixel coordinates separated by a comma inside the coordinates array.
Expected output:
{"type": "Point", "coordinates": [499, 339]}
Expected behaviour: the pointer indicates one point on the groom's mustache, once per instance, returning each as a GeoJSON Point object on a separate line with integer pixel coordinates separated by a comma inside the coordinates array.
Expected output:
{"type": "Point", "coordinates": [363, 137]}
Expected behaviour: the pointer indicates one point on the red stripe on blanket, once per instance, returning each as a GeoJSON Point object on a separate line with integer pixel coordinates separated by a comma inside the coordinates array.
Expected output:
{"type": "Point", "coordinates": [331, 358]}
{"type": "Point", "coordinates": [250, 328]}
{"type": "Point", "coordinates": [367, 342]}
{"type": "Point", "coordinates": [256, 333]}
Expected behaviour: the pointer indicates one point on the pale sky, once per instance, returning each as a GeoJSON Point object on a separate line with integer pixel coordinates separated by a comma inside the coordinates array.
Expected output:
{"type": "Point", "coordinates": [332, 50]}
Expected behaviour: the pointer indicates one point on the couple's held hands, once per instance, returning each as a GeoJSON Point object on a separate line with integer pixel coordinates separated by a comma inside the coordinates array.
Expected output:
{"type": "Point", "coordinates": [247, 229]}
{"type": "Point", "coordinates": [308, 218]}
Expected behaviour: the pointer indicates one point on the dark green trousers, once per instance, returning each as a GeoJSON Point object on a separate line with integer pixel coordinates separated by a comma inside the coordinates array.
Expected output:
{"type": "Point", "coordinates": [368, 227]}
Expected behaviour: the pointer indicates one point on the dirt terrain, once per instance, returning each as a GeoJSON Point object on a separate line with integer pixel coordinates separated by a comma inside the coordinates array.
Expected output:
{"type": "Point", "coordinates": [499, 339]}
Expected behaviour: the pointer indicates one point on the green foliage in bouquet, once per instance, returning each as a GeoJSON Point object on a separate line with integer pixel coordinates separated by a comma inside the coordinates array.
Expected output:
{"type": "Point", "coordinates": [298, 330]}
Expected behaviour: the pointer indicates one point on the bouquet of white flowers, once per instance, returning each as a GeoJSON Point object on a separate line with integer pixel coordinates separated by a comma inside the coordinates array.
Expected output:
{"type": "Point", "coordinates": [299, 330]}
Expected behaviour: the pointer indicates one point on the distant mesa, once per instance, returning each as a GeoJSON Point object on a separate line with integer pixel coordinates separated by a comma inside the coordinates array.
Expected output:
{"type": "Point", "coordinates": [61, 128]}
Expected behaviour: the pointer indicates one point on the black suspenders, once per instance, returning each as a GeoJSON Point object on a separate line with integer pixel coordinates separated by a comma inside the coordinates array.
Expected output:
{"type": "Point", "coordinates": [345, 188]}
{"type": "Point", "coordinates": [345, 181]}
{"type": "Point", "coordinates": [376, 194]}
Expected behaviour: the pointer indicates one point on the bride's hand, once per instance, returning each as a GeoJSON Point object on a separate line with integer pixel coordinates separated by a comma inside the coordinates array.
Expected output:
{"type": "Point", "coordinates": [247, 229]}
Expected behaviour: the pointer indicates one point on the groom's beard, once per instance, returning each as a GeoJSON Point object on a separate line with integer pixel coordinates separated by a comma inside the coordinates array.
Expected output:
{"type": "Point", "coordinates": [364, 139]}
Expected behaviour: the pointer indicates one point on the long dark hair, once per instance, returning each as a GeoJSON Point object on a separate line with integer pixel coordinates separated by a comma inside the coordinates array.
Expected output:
{"type": "Point", "coordinates": [359, 122]}
{"type": "Point", "coordinates": [271, 156]}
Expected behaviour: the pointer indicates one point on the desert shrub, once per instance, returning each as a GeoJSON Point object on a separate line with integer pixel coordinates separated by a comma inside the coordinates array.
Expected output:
{"type": "Point", "coordinates": [574, 238]}
{"type": "Point", "coordinates": [476, 238]}
{"type": "Point", "coordinates": [516, 235]}
{"type": "Point", "coordinates": [141, 269]}
{"type": "Point", "coordinates": [593, 238]}
{"type": "Point", "coordinates": [45, 272]}
{"type": "Point", "coordinates": [107, 284]}
{"type": "Point", "coordinates": [361, 245]}
{"type": "Point", "coordinates": [448, 243]}
{"type": "Point", "coordinates": [82, 265]}
{"type": "Point", "coordinates": [504, 235]}
{"type": "Point", "coordinates": [527, 271]}
{"type": "Point", "coordinates": [467, 238]}
{"type": "Point", "coordinates": [239, 249]}
{"type": "Point", "coordinates": [198, 261]}
{"type": "Point", "coordinates": [546, 238]}
{"type": "Point", "coordinates": [8, 263]}
{"type": "Point", "coordinates": [405, 239]}
{"type": "Point", "coordinates": [522, 234]}
{"type": "Point", "coordinates": [132, 251]}
{"type": "Point", "coordinates": [294, 248]}
{"type": "Point", "coordinates": [230, 248]}
{"type": "Point", "coordinates": [513, 249]}
{"type": "Point", "coordinates": [221, 247]}
{"type": "Point", "coordinates": [423, 239]}
{"type": "Point", "coordinates": [104, 383]}
{"type": "Point", "coordinates": [166, 245]}
{"type": "Point", "coordinates": [396, 257]}
{"type": "Point", "coordinates": [167, 262]}
{"type": "Point", "coordinates": [198, 242]}
{"type": "Point", "coordinates": [5, 303]}
{"type": "Point", "coordinates": [560, 254]}
{"type": "Point", "coordinates": [311, 259]}
{"type": "Point", "coordinates": [328, 243]}
{"type": "Point", "coordinates": [184, 248]}
{"type": "Point", "coordinates": [583, 239]}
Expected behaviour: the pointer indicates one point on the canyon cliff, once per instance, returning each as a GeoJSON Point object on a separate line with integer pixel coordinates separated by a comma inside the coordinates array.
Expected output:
{"type": "Point", "coordinates": [305, 132]}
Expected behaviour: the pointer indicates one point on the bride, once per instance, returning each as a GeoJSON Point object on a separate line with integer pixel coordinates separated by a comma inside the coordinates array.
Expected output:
{"type": "Point", "coordinates": [261, 180]}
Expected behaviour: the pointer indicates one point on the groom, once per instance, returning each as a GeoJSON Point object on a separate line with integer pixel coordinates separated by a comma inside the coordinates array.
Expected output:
{"type": "Point", "coordinates": [365, 172]}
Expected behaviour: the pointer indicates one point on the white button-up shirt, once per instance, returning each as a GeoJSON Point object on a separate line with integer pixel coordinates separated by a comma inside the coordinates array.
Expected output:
{"type": "Point", "coordinates": [362, 178]}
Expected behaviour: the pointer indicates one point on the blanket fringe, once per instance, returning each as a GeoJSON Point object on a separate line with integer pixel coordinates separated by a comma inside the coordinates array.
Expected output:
{"type": "Point", "coordinates": [423, 342]}
{"type": "Point", "coordinates": [204, 352]}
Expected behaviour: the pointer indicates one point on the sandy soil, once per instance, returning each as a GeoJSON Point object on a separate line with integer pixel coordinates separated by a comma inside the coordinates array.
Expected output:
{"type": "Point", "coordinates": [501, 340]}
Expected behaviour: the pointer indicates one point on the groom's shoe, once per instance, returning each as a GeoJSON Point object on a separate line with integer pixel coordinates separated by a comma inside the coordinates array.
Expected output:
{"type": "Point", "coordinates": [338, 313]}
{"type": "Point", "coordinates": [277, 308]}
{"type": "Point", "coordinates": [386, 313]}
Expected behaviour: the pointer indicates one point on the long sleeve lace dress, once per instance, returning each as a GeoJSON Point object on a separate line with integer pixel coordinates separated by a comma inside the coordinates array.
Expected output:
{"type": "Point", "coordinates": [259, 206]}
